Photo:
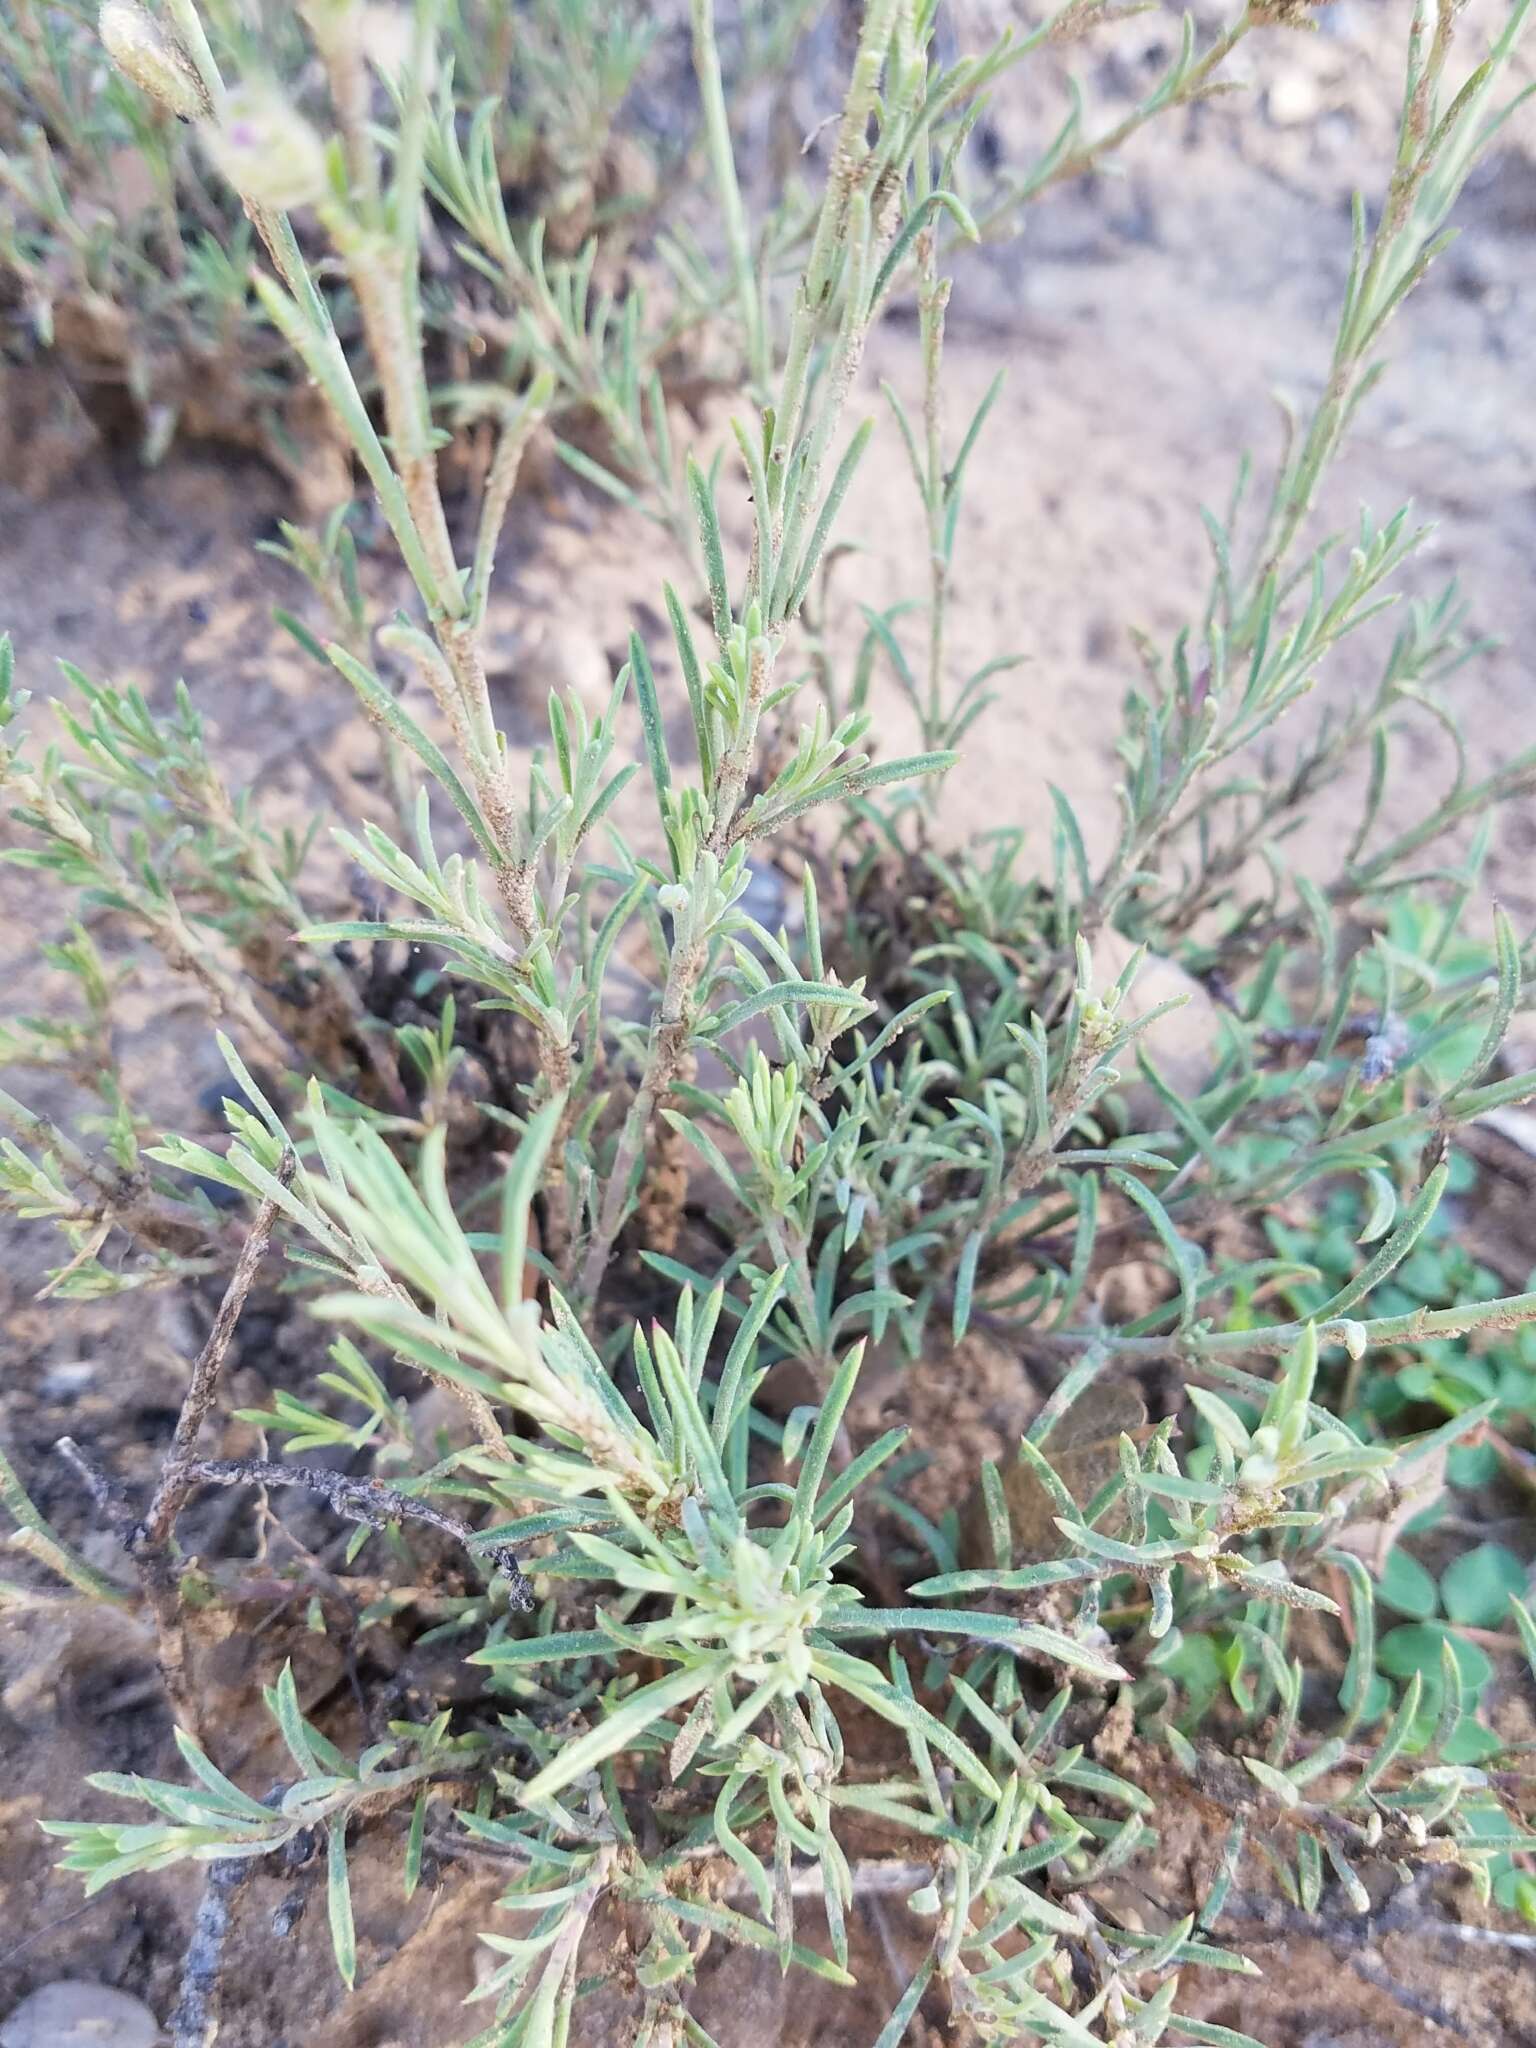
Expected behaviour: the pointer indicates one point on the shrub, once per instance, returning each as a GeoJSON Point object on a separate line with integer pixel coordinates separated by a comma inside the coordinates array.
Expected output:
{"type": "Point", "coordinates": [718, 1640]}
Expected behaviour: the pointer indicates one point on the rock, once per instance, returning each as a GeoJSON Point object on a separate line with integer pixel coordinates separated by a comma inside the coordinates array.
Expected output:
{"type": "Point", "coordinates": [68, 1380]}
{"type": "Point", "coordinates": [742, 1996]}
{"type": "Point", "coordinates": [1515, 1126]}
{"type": "Point", "coordinates": [80, 2015]}
{"type": "Point", "coordinates": [1184, 1045]}
{"type": "Point", "coordinates": [1292, 99]}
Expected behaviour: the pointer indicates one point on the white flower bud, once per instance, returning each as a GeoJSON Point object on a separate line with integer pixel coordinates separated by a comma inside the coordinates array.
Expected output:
{"type": "Point", "coordinates": [152, 60]}
{"type": "Point", "coordinates": [1258, 1474]}
{"type": "Point", "coordinates": [388, 41]}
{"type": "Point", "coordinates": [268, 151]}
{"type": "Point", "coordinates": [1261, 1468]}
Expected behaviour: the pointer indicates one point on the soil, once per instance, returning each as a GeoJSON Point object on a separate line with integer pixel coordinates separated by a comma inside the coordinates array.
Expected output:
{"type": "Point", "coordinates": [1144, 321]}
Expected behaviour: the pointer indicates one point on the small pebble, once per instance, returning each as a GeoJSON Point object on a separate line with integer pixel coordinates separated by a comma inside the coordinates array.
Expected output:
{"type": "Point", "coordinates": [80, 2015]}
{"type": "Point", "coordinates": [1292, 99]}
{"type": "Point", "coordinates": [67, 1381]}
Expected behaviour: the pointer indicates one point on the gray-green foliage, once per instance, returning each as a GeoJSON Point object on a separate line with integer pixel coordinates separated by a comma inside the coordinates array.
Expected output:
{"type": "Point", "coordinates": [925, 1121]}
{"type": "Point", "coordinates": [146, 282]}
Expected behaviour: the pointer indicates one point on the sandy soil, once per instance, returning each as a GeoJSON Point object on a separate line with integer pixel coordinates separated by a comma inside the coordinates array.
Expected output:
{"type": "Point", "coordinates": [1144, 322]}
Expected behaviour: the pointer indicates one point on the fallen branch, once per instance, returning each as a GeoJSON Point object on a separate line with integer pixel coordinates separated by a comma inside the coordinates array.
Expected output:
{"type": "Point", "coordinates": [111, 1500]}
{"type": "Point", "coordinates": [367, 1501]}
{"type": "Point", "coordinates": [148, 1541]}
{"type": "Point", "coordinates": [154, 1533]}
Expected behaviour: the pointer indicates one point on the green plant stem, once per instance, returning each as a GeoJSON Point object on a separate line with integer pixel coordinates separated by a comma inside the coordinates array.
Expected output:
{"type": "Point", "coordinates": [1195, 85]}
{"type": "Point", "coordinates": [842, 224]}
{"type": "Point", "coordinates": [1399, 252]}
{"type": "Point", "coordinates": [1211, 1350]}
{"type": "Point", "coordinates": [194, 40]}
{"type": "Point", "coordinates": [791, 1249]}
{"type": "Point", "coordinates": [276, 234]}
{"type": "Point", "coordinates": [932, 298]}
{"type": "Point", "coordinates": [850, 156]}
{"type": "Point", "coordinates": [410, 496]}
{"type": "Point", "coordinates": [1033, 1161]}
{"type": "Point", "coordinates": [731, 784]}
{"type": "Point", "coordinates": [382, 272]}
{"type": "Point", "coordinates": [517, 430]}
{"type": "Point", "coordinates": [717, 129]}
{"type": "Point", "coordinates": [1386, 264]}
{"type": "Point", "coordinates": [36, 1537]}
{"type": "Point", "coordinates": [664, 1058]}
{"type": "Point", "coordinates": [156, 1219]}
{"type": "Point", "coordinates": [346, 65]}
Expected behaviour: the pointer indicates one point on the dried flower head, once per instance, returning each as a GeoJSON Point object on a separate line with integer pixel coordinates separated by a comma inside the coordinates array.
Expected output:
{"type": "Point", "coordinates": [268, 151]}
{"type": "Point", "coordinates": [1287, 13]}
{"type": "Point", "coordinates": [390, 44]}
{"type": "Point", "coordinates": [153, 60]}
